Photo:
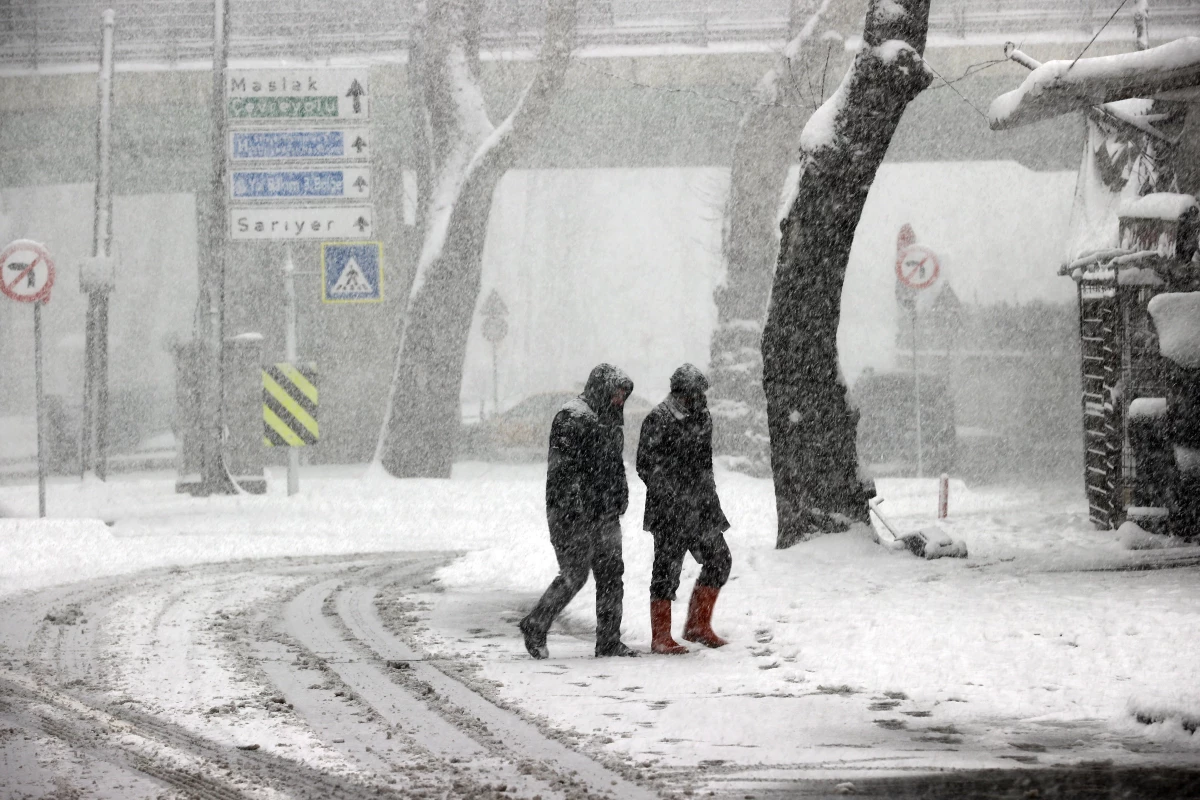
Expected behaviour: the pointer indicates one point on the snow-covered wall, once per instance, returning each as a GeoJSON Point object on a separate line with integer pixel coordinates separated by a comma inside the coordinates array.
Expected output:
{"type": "Point", "coordinates": [593, 264]}
{"type": "Point", "coordinates": [620, 264]}
{"type": "Point", "coordinates": [600, 265]}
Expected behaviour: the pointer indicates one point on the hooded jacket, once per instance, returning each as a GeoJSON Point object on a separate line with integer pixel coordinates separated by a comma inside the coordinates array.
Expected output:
{"type": "Point", "coordinates": [674, 460]}
{"type": "Point", "coordinates": [585, 473]}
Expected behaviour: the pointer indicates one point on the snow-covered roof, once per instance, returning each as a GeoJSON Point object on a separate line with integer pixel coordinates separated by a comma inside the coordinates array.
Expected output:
{"type": "Point", "coordinates": [1170, 71]}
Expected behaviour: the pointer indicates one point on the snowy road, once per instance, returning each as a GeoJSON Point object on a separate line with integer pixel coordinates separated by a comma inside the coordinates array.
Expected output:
{"type": "Point", "coordinates": [303, 677]}
{"type": "Point", "coordinates": [260, 679]}
{"type": "Point", "coordinates": [359, 640]}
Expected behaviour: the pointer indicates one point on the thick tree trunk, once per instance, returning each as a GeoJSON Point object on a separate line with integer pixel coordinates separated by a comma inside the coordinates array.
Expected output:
{"type": "Point", "coordinates": [467, 158]}
{"type": "Point", "coordinates": [812, 428]}
{"type": "Point", "coordinates": [763, 151]}
{"type": "Point", "coordinates": [424, 418]}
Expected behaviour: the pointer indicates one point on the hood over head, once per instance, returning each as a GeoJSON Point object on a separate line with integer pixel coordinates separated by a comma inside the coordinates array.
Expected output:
{"type": "Point", "coordinates": [602, 384]}
{"type": "Point", "coordinates": [688, 380]}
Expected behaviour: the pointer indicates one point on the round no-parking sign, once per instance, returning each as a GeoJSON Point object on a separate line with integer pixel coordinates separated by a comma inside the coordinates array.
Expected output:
{"type": "Point", "coordinates": [917, 267]}
{"type": "Point", "coordinates": [26, 272]}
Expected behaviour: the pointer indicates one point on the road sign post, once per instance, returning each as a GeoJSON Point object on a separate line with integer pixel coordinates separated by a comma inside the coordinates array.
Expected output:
{"type": "Point", "coordinates": [292, 347]}
{"type": "Point", "coordinates": [300, 145]}
{"type": "Point", "coordinates": [27, 276]}
{"type": "Point", "coordinates": [495, 328]}
{"type": "Point", "coordinates": [917, 268]}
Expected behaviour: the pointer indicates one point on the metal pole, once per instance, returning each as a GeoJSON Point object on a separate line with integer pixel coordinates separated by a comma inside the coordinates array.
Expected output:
{"type": "Point", "coordinates": [216, 480]}
{"type": "Point", "coordinates": [89, 369]}
{"type": "Point", "coordinates": [289, 284]}
{"type": "Point", "coordinates": [495, 382]}
{"type": "Point", "coordinates": [37, 369]}
{"type": "Point", "coordinates": [917, 393]}
{"type": "Point", "coordinates": [102, 386]}
{"type": "Point", "coordinates": [95, 398]}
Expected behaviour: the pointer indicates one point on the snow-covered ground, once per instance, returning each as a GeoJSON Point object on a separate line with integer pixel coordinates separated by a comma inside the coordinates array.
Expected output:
{"type": "Point", "coordinates": [843, 656]}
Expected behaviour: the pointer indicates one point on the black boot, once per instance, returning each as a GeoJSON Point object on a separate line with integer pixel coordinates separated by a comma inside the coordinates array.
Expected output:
{"type": "Point", "coordinates": [617, 648]}
{"type": "Point", "coordinates": [535, 639]}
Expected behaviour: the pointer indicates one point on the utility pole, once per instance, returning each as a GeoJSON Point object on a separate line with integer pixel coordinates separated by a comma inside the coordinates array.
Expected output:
{"type": "Point", "coordinates": [215, 478]}
{"type": "Point", "coordinates": [292, 348]}
{"type": "Point", "coordinates": [97, 280]}
{"type": "Point", "coordinates": [917, 389]}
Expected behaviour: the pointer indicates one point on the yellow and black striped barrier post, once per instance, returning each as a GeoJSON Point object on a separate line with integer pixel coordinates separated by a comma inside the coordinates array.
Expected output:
{"type": "Point", "coordinates": [290, 405]}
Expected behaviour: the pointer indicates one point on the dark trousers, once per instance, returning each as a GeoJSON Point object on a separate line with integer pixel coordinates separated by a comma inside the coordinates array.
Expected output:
{"type": "Point", "coordinates": [583, 547]}
{"type": "Point", "coordinates": [709, 550]}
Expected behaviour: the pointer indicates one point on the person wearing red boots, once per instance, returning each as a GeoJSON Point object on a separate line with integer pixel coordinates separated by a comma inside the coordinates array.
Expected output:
{"type": "Point", "coordinates": [683, 511]}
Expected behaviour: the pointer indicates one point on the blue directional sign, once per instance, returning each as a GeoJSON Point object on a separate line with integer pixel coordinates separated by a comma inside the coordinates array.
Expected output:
{"type": "Point", "coordinates": [301, 184]}
{"type": "Point", "coordinates": [346, 144]}
{"type": "Point", "coordinates": [351, 272]}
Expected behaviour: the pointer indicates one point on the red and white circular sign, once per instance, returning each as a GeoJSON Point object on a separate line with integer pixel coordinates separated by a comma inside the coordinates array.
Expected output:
{"type": "Point", "coordinates": [26, 272]}
{"type": "Point", "coordinates": [917, 267]}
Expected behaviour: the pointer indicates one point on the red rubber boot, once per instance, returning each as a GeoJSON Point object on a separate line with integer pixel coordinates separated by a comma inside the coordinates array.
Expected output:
{"type": "Point", "coordinates": [699, 622]}
{"type": "Point", "coordinates": [660, 630]}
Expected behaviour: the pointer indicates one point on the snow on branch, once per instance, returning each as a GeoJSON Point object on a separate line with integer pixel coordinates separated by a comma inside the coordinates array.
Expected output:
{"type": "Point", "coordinates": [766, 92]}
{"type": "Point", "coordinates": [1169, 71]}
{"type": "Point", "coordinates": [824, 127]}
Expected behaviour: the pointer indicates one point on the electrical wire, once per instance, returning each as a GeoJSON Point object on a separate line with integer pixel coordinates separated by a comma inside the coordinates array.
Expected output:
{"type": "Point", "coordinates": [1102, 27]}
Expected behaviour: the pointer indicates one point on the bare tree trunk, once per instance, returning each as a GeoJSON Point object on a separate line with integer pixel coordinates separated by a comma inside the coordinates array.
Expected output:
{"type": "Point", "coordinates": [763, 151]}
{"type": "Point", "coordinates": [814, 460]}
{"type": "Point", "coordinates": [467, 158]}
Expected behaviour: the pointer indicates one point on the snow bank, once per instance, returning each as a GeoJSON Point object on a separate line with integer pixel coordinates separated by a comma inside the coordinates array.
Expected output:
{"type": "Point", "coordinates": [1178, 714]}
{"type": "Point", "coordinates": [40, 552]}
{"type": "Point", "coordinates": [1148, 408]}
{"type": "Point", "coordinates": [1159, 205]}
{"type": "Point", "coordinates": [1177, 319]}
{"type": "Point", "coordinates": [1187, 459]}
{"type": "Point", "coordinates": [494, 513]}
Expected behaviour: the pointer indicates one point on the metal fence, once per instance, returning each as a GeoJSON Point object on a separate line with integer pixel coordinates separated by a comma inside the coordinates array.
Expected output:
{"type": "Point", "coordinates": [40, 32]}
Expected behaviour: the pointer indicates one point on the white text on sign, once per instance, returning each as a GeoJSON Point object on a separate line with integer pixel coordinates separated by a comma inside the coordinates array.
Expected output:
{"type": "Point", "coordinates": [335, 144]}
{"type": "Point", "coordinates": [301, 184]}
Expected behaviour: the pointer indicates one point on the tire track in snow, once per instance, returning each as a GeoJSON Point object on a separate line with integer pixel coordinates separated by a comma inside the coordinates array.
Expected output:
{"type": "Point", "coordinates": [304, 620]}
{"type": "Point", "coordinates": [451, 741]}
{"type": "Point", "coordinates": [356, 607]}
{"type": "Point", "coordinates": [100, 731]}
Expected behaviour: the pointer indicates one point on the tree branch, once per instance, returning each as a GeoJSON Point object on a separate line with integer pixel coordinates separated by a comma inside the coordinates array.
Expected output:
{"type": "Point", "coordinates": [480, 145]}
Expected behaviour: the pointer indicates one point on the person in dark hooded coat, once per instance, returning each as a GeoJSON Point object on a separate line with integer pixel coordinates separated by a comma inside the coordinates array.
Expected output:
{"type": "Point", "coordinates": [586, 494]}
{"type": "Point", "coordinates": [683, 511]}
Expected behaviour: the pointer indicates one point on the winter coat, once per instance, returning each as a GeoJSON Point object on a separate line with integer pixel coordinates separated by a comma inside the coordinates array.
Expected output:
{"type": "Point", "coordinates": [585, 473]}
{"type": "Point", "coordinates": [674, 460]}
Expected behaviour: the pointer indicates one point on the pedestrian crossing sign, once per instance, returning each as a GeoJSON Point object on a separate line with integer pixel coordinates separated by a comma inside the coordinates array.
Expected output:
{"type": "Point", "coordinates": [352, 272]}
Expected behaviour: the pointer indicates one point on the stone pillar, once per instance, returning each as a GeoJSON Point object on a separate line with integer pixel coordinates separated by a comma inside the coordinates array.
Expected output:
{"type": "Point", "coordinates": [188, 425]}
{"type": "Point", "coordinates": [242, 389]}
